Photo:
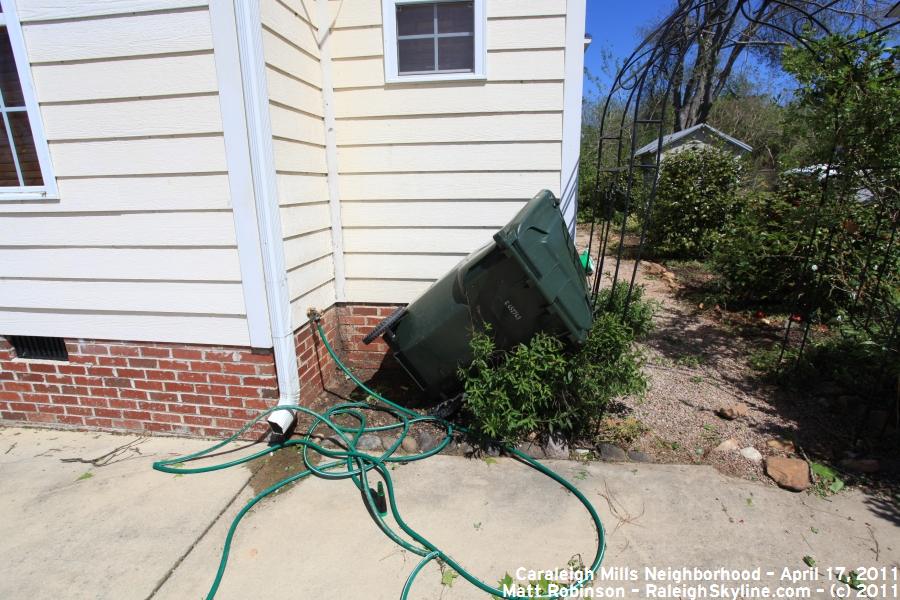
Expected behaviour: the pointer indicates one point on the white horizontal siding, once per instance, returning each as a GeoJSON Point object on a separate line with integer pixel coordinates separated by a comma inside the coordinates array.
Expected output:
{"type": "Point", "coordinates": [444, 240]}
{"type": "Point", "coordinates": [403, 266]}
{"type": "Point", "coordinates": [301, 189]}
{"type": "Point", "coordinates": [303, 219]}
{"type": "Point", "coordinates": [131, 35]}
{"type": "Point", "coordinates": [478, 213]}
{"type": "Point", "coordinates": [139, 157]}
{"type": "Point", "coordinates": [288, 18]}
{"type": "Point", "coordinates": [457, 99]}
{"type": "Point", "coordinates": [299, 157]}
{"type": "Point", "coordinates": [187, 329]}
{"type": "Point", "coordinates": [128, 78]}
{"type": "Point", "coordinates": [364, 13]}
{"type": "Point", "coordinates": [528, 65]}
{"type": "Point", "coordinates": [132, 118]}
{"type": "Point", "coordinates": [502, 34]}
{"type": "Point", "coordinates": [319, 298]}
{"type": "Point", "coordinates": [310, 276]}
{"type": "Point", "coordinates": [37, 10]}
{"type": "Point", "coordinates": [498, 127]}
{"type": "Point", "coordinates": [135, 193]}
{"type": "Point", "coordinates": [294, 78]}
{"type": "Point", "coordinates": [140, 244]}
{"type": "Point", "coordinates": [125, 229]}
{"type": "Point", "coordinates": [200, 264]}
{"type": "Point", "coordinates": [384, 290]}
{"type": "Point", "coordinates": [307, 248]}
{"type": "Point", "coordinates": [294, 94]}
{"type": "Point", "coordinates": [291, 59]}
{"type": "Point", "coordinates": [521, 34]}
{"type": "Point", "coordinates": [447, 186]}
{"type": "Point", "coordinates": [293, 125]}
{"type": "Point", "coordinates": [494, 156]}
{"type": "Point", "coordinates": [156, 296]}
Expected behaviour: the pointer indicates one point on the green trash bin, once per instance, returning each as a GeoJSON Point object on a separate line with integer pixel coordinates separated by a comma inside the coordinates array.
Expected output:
{"type": "Point", "coordinates": [529, 278]}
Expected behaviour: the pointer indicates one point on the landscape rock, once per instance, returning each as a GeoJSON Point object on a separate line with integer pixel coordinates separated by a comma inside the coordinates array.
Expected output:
{"type": "Point", "coordinates": [465, 448]}
{"type": "Point", "coordinates": [410, 445]}
{"type": "Point", "coordinates": [556, 448]}
{"type": "Point", "coordinates": [427, 440]}
{"type": "Point", "coordinates": [369, 441]}
{"type": "Point", "coordinates": [612, 453]}
{"type": "Point", "coordinates": [780, 445]}
{"type": "Point", "coordinates": [729, 445]}
{"type": "Point", "coordinates": [653, 268]}
{"type": "Point", "coordinates": [861, 465]}
{"type": "Point", "coordinates": [789, 473]}
{"type": "Point", "coordinates": [752, 454]}
{"type": "Point", "coordinates": [532, 449]}
{"type": "Point", "coordinates": [638, 456]}
{"type": "Point", "coordinates": [733, 411]}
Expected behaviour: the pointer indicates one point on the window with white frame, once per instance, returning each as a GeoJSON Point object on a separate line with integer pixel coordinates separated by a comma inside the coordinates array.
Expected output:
{"type": "Point", "coordinates": [434, 40]}
{"type": "Point", "coordinates": [25, 171]}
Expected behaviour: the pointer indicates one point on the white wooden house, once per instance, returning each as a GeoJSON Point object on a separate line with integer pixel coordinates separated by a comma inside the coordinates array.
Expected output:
{"type": "Point", "coordinates": [181, 180]}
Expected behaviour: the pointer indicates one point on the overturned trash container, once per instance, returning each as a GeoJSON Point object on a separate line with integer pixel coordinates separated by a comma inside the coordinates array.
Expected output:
{"type": "Point", "coordinates": [529, 278]}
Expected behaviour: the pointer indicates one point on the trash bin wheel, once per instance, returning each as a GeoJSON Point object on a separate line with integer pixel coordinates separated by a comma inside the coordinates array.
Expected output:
{"type": "Point", "coordinates": [386, 324]}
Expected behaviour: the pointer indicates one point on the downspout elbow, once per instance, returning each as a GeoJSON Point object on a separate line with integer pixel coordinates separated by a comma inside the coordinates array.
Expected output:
{"type": "Point", "coordinates": [288, 385]}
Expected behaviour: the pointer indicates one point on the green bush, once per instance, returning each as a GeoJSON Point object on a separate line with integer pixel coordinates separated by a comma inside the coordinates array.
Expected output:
{"type": "Point", "coordinates": [695, 201]}
{"type": "Point", "coordinates": [759, 257]}
{"type": "Point", "coordinates": [637, 315]}
{"type": "Point", "coordinates": [847, 357]}
{"type": "Point", "coordinates": [546, 387]}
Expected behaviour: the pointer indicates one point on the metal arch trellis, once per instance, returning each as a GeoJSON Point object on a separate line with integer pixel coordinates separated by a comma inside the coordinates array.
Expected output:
{"type": "Point", "coordinates": [646, 76]}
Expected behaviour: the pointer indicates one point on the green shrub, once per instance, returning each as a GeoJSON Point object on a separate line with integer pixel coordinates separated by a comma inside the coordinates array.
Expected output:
{"type": "Point", "coordinates": [637, 316]}
{"type": "Point", "coordinates": [545, 386]}
{"type": "Point", "coordinates": [759, 257]}
{"type": "Point", "coordinates": [695, 201]}
{"type": "Point", "coordinates": [847, 357]}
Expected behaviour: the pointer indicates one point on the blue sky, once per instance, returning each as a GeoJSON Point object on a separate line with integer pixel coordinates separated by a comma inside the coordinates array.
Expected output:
{"type": "Point", "coordinates": [614, 25]}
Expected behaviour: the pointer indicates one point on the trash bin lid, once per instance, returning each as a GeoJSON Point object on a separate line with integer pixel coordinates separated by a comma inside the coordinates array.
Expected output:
{"type": "Point", "coordinates": [537, 237]}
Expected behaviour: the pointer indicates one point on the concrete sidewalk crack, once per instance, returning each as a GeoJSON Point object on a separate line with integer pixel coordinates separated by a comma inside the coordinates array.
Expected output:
{"type": "Point", "coordinates": [202, 535]}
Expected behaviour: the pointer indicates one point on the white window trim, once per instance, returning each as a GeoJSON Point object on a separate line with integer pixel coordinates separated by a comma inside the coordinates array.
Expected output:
{"type": "Point", "coordinates": [10, 19]}
{"type": "Point", "coordinates": [389, 19]}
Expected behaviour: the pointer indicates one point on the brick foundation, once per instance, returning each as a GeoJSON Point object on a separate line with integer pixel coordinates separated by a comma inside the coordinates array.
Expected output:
{"type": "Point", "coordinates": [179, 389]}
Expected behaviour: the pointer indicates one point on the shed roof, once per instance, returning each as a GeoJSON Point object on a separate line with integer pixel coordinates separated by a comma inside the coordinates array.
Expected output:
{"type": "Point", "coordinates": [674, 137]}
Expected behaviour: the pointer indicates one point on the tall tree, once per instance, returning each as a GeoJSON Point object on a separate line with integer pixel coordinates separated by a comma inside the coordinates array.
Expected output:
{"type": "Point", "coordinates": [708, 38]}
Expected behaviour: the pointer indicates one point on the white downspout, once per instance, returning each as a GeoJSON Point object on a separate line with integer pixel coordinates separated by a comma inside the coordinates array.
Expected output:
{"type": "Point", "coordinates": [262, 159]}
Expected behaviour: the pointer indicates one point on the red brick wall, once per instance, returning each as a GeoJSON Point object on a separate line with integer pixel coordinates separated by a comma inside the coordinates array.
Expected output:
{"type": "Point", "coordinates": [179, 389]}
{"type": "Point", "coordinates": [137, 386]}
{"type": "Point", "coordinates": [356, 321]}
{"type": "Point", "coordinates": [315, 365]}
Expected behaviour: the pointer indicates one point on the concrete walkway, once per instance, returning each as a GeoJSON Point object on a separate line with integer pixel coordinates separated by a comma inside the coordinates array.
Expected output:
{"type": "Point", "coordinates": [128, 532]}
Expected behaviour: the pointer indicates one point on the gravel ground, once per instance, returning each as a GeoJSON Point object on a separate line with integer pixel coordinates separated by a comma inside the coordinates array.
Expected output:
{"type": "Point", "coordinates": [697, 365]}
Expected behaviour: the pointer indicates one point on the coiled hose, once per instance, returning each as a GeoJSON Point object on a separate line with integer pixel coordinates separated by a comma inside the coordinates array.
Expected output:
{"type": "Point", "coordinates": [356, 465]}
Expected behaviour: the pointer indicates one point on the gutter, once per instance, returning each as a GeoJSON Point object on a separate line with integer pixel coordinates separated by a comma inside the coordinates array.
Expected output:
{"type": "Point", "coordinates": [262, 160]}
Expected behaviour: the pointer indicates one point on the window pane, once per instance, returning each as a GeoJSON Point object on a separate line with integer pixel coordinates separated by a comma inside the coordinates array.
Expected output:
{"type": "Point", "coordinates": [9, 77]}
{"type": "Point", "coordinates": [28, 159]}
{"type": "Point", "coordinates": [8, 177]}
{"type": "Point", "coordinates": [455, 17]}
{"type": "Point", "coordinates": [415, 19]}
{"type": "Point", "coordinates": [456, 54]}
{"type": "Point", "coordinates": [415, 55]}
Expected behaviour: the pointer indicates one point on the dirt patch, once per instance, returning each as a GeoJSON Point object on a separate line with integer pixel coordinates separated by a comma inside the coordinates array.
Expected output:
{"type": "Point", "coordinates": [697, 361]}
{"type": "Point", "coordinates": [277, 466]}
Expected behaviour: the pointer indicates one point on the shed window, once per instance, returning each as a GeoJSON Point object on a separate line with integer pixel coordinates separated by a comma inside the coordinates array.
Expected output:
{"type": "Point", "coordinates": [24, 158]}
{"type": "Point", "coordinates": [431, 41]}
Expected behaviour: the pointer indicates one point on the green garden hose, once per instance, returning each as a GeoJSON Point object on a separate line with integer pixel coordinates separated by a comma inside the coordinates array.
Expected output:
{"type": "Point", "coordinates": [355, 464]}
